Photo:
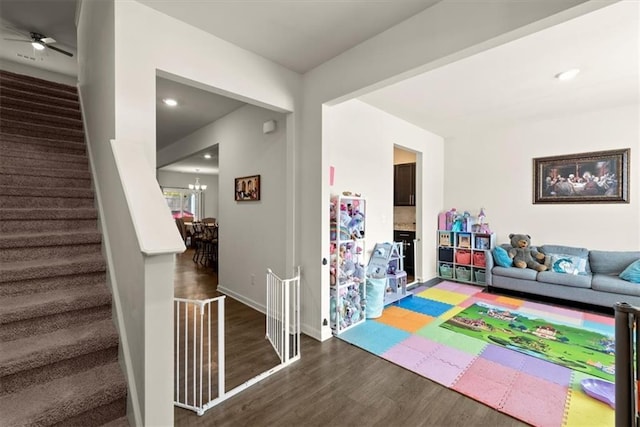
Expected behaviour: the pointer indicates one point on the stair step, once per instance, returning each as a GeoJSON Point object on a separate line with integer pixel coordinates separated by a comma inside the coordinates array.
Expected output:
{"type": "Point", "coordinates": [39, 269]}
{"type": "Point", "coordinates": [15, 154]}
{"type": "Point", "coordinates": [16, 180]}
{"type": "Point", "coordinates": [6, 77]}
{"type": "Point", "coordinates": [44, 284]}
{"type": "Point", "coordinates": [11, 201]}
{"type": "Point", "coordinates": [101, 416]}
{"type": "Point", "coordinates": [63, 398]}
{"type": "Point", "coordinates": [42, 304]}
{"type": "Point", "coordinates": [48, 214]}
{"type": "Point", "coordinates": [31, 166]}
{"type": "Point", "coordinates": [40, 118]}
{"type": "Point", "coordinates": [39, 226]}
{"type": "Point", "coordinates": [38, 350]}
{"type": "Point", "coordinates": [21, 380]}
{"type": "Point", "coordinates": [40, 98]}
{"type": "Point", "coordinates": [72, 193]}
{"type": "Point", "coordinates": [42, 246]}
{"type": "Point", "coordinates": [68, 92]}
{"type": "Point", "coordinates": [28, 106]}
{"type": "Point", "coordinates": [41, 145]}
{"type": "Point", "coordinates": [119, 422]}
{"type": "Point", "coordinates": [16, 127]}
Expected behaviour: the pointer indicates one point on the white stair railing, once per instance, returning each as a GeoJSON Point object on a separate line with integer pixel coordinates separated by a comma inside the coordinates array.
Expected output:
{"type": "Point", "coordinates": [199, 335]}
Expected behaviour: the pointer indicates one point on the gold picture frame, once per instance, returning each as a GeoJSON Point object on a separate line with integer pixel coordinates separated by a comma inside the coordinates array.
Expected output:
{"type": "Point", "coordinates": [597, 177]}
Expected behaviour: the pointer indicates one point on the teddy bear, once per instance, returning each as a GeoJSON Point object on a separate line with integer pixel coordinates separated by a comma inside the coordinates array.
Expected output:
{"type": "Point", "coordinates": [522, 254]}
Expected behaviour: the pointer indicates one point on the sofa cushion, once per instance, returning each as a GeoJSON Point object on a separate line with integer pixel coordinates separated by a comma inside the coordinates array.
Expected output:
{"type": "Point", "coordinates": [516, 273]}
{"type": "Point", "coordinates": [501, 257]}
{"type": "Point", "coordinates": [614, 284]}
{"type": "Point", "coordinates": [611, 262]}
{"type": "Point", "coordinates": [632, 272]}
{"type": "Point", "coordinates": [568, 250]}
{"type": "Point", "coordinates": [563, 263]}
{"type": "Point", "coordinates": [573, 280]}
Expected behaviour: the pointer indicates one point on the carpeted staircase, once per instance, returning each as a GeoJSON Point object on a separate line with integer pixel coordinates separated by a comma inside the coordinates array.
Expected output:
{"type": "Point", "coordinates": [58, 342]}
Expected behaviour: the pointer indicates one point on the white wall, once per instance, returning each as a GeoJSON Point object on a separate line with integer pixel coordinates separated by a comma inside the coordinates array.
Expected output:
{"type": "Point", "coordinates": [182, 180]}
{"type": "Point", "coordinates": [494, 171]}
{"type": "Point", "coordinates": [360, 144]}
{"type": "Point", "coordinates": [252, 234]}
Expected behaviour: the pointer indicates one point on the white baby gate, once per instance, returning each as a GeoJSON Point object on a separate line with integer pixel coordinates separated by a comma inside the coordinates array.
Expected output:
{"type": "Point", "coordinates": [200, 353]}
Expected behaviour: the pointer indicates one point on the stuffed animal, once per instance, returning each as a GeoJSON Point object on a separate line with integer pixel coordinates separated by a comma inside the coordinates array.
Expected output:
{"type": "Point", "coordinates": [522, 254]}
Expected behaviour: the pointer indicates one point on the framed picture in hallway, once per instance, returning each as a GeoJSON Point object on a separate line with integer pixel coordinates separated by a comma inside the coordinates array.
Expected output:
{"type": "Point", "coordinates": [598, 177]}
{"type": "Point", "coordinates": [247, 188]}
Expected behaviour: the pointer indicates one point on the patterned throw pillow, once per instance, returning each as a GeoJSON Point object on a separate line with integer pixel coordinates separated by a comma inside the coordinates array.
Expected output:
{"type": "Point", "coordinates": [501, 257]}
{"type": "Point", "coordinates": [568, 264]}
{"type": "Point", "coordinates": [632, 272]}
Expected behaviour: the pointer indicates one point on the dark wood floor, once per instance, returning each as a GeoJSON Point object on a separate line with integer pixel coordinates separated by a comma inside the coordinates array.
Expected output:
{"type": "Point", "coordinates": [334, 383]}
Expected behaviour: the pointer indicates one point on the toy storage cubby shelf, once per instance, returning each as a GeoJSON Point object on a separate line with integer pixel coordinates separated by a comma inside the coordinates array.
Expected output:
{"type": "Point", "coordinates": [462, 255]}
{"type": "Point", "coordinates": [347, 271]}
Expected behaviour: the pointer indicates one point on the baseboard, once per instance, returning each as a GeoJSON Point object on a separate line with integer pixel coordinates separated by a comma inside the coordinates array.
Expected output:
{"type": "Point", "coordinates": [246, 301]}
{"type": "Point", "coordinates": [429, 283]}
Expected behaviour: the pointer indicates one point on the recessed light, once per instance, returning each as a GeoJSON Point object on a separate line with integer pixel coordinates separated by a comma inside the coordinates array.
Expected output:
{"type": "Point", "coordinates": [568, 75]}
{"type": "Point", "coordinates": [170, 102]}
{"type": "Point", "coordinates": [207, 156]}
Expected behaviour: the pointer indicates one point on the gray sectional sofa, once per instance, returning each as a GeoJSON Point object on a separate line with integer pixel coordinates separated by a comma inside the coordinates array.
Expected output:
{"type": "Point", "coordinates": [599, 285]}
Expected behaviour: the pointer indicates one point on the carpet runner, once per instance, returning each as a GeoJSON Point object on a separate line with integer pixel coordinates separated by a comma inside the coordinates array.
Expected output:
{"type": "Point", "coordinates": [58, 343]}
{"type": "Point", "coordinates": [534, 390]}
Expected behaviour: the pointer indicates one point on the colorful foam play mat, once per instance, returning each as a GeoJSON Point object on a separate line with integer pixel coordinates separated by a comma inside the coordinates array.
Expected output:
{"type": "Point", "coordinates": [543, 364]}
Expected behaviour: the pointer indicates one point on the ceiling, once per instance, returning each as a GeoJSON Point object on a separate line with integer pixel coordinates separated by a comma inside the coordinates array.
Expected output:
{"type": "Point", "coordinates": [301, 34]}
{"type": "Point", "coordinates": [515, 81]}
{"type": "Point", "coordinates": [196, 108]}
{"type": "Point", "coordinates": [52, 18]}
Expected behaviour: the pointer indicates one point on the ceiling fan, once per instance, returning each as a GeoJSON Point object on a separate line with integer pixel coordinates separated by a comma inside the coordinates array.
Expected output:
{"type": "Point", "coordinates": [42, 42]}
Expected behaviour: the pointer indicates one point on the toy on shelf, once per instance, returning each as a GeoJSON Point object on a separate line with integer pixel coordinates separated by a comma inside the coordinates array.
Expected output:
{"type": "Point", "coordinates": [346, 267]}
{"type": "Point", "coordinates": [386, 263]}
{"type": "Point", "coordinates": [481, 226]}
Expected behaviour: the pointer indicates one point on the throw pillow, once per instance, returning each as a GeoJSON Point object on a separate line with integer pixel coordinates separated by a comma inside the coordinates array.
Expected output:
{"type": "Point", "coordinates": [501, 257]}
{"type": "Point", "coordinates": [563, 263]}
{"type": "Point", "coordinates": [632, 272]}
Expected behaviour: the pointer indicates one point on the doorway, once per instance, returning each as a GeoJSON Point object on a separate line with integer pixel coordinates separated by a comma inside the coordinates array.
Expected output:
{"type": "Point", "coordinates": [404, 207]}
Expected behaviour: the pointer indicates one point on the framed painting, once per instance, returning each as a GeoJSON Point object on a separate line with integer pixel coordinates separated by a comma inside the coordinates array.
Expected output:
{"type": "Point", "coordinates": [597, 177]}
{"type": "Point", "coordinates": [247, 188]}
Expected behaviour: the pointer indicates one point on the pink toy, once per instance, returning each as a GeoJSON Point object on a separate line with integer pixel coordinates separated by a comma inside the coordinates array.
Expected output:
{"type": "Point", "coordinates": [604, 391]}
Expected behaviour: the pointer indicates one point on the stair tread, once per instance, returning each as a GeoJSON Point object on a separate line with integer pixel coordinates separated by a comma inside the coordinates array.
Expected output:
{"type": "Point", "coordinates": [35, 155]}
{"type": "Point", "coordinates": [118, 422]}
{"type": "Point", "coordinates": [53, 238]}
{"type": "Point", "coordinates": [33, 115]}
{"type": "Point", "coordinates": [64, 397]}
{"type": "Point", "coordinates": [35, 81]}
{"type": "Point", "coordinates": [50, 192]}
{"type": "Point", "coordinates": [39, 350]}
{"type": "Point", "coordinates": [52, 302]}
{"type": "Point", "coordinates": [30, 264]}
{"type": "Point", "coordinates": [47, 213]}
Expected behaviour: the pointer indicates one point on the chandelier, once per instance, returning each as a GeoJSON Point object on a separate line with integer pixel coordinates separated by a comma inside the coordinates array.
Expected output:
{"type": "Point", "coordinates": [197, 186]}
